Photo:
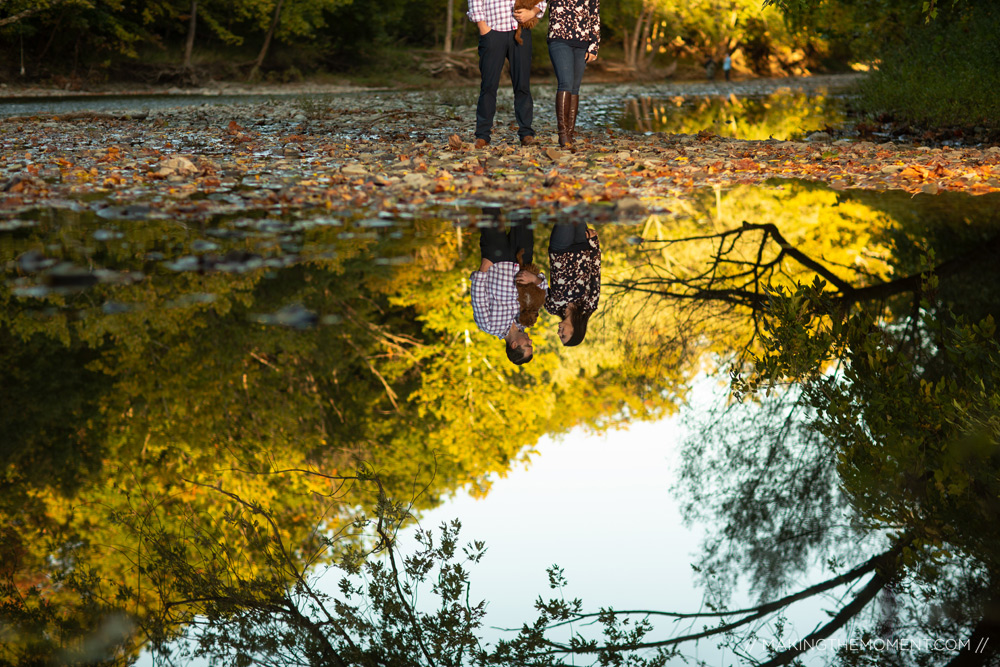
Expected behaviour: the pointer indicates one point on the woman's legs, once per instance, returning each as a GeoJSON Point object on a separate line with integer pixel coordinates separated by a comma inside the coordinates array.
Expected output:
{"type": "Point", "coordinates": [579, 65]}
{"type": "Point", "coordinates": [568, 63]}
{"type": "Point", "coordinates": [565, 235]}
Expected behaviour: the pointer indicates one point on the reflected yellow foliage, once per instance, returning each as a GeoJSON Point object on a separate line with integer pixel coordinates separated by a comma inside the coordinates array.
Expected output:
{"type": "Point", "coordinates": [701, 329]}
{"type": "Point", "coordinates": [784, 115]}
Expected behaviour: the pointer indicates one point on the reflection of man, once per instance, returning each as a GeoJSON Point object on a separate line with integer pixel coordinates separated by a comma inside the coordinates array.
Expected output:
{"type": "Point", "coordinates": [494, 291]}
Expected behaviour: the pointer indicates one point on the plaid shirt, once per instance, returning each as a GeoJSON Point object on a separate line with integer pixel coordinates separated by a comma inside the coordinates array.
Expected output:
{"type": "Point", "coordinates": [498, 14]}
{"type": "Point", "coordinates": [494, 298]}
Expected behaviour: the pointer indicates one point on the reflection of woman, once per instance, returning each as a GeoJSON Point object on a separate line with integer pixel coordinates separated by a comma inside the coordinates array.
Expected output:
{"type": "Point", "coordinates": [574, 279]}
{"type": "Point", "coordinates": [574, 36]}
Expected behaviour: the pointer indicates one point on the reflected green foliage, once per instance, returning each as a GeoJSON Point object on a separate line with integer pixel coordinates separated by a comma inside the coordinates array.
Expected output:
{"type": "Point", "coordinates": [910, 415]}
{"type": "Point", "coordinates": [211, 375]}
{"type": "Point", "coordinates": [224, 447]}
{"type": "Point", "coordinates": [782, 115]}
{"type": "Point", "coordinates": [873, 392]}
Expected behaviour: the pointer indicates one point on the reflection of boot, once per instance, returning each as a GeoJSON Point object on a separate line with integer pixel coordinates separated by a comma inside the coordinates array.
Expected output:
{"type": "Point", "coordinates": [574, 101]}
{"type": "Point", "coordinates": [562, 117]}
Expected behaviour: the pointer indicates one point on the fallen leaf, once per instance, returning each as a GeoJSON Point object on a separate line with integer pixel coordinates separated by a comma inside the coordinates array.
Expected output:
{"type": "Point", "coordinates": [555, 154]}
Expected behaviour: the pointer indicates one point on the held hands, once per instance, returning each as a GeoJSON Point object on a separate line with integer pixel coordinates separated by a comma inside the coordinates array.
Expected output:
{"type": "Point", "coordinates": [524, 15]}
{"type": "Point", "coordinates": [523, 277]}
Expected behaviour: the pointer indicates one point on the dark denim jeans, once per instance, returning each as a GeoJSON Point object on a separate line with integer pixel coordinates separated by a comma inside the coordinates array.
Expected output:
{"type": "Point", "coordinates": [568, 236]}
{"type": "Point", "coordinates": [494, 48]}
{"type": "Point", "coordinates": [569, 63]}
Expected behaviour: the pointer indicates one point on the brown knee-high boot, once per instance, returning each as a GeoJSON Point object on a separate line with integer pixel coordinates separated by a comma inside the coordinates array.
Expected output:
{"type": "Point", "coordinates": [574, 101]}
{"type": "Point", "coordinates": [562, 118]}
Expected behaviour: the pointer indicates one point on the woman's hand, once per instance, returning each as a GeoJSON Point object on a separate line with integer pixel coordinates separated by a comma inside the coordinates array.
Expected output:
{"type": "Point", "coordinates": [591, 57]}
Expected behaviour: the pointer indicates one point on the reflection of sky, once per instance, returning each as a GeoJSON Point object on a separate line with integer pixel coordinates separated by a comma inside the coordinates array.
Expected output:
{"type": "Point", "coordinates": [601, 507]}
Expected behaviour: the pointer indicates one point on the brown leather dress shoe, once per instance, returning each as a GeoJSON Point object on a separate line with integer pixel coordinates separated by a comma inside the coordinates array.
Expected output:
{"type": "Point", "coordinates": [482, 143]}
{"type": "Point", "coordinates": [529, 140]}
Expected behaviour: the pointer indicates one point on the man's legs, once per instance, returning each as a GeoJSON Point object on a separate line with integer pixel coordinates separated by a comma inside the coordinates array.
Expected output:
{"type": "Point", "coordinates": [492, 51]}
{"type": "Point", "coordinates": [520, 78]}
{"type": "Point", "coordinates": [493, 245]}
{"type": "Point", "coordinates": [497, 243]}
{"type": "Point", "coordinates": [522, 235]}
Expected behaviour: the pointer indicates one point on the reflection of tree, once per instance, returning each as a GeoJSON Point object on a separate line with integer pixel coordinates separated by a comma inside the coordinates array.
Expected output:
{"type": "Point", "coordinates": [883, 568]}
{"type": "Point", "coordinates": [767, 485]}
{"type": "Point", "coordinates": [907, 421]}
{"type": "Point", "coordinates": [708, 305]}
{"type": "Point", "coordinates": [781, 115]}
{"type": "Point", "coordinates": [194, 388]}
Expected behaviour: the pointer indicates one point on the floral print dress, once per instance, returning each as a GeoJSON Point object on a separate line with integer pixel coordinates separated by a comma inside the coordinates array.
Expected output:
{"type": "Point", "coordinates": [575, 276]}
{"type": "Point", "coordinates": [577, 22]}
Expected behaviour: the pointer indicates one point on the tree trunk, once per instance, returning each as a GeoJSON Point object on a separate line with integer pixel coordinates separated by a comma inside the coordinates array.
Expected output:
{"type": "Point", "coordinates": [632, 45]}
{"type": "Point", "coordinates": [867, 594]}
{"type": "Point", "coordinates": [984, 642]}
{"type": "Point", "coordinates": [629, 59]}
{"type": "Point", "coordinates": [52, 37]}
{"type": "Point", "coordinates": [449, 17]}
{"type": "Point", "coordinates": [192, 24]}
{"type": "Point", "coordinates": [642, 53]}
{"type": "Point", "coordinates": [267, 41]}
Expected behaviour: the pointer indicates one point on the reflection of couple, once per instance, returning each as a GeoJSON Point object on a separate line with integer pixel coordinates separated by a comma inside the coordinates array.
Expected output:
{"type": "Point", "coordinates": [575, 268]}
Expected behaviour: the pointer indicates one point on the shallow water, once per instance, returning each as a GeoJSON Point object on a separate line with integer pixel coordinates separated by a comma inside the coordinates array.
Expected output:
{"type": "Point", "coordinates": [161, 371]}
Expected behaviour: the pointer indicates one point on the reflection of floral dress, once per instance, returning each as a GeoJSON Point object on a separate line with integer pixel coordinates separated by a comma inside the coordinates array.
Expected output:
{"type": "Point", "coordinates": [575, 275]}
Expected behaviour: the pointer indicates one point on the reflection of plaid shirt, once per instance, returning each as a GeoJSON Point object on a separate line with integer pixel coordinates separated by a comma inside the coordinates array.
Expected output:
{"type": "Point", "coordinates": [498, 14]}
{"type": "Point", "coordinates": [494, 298]}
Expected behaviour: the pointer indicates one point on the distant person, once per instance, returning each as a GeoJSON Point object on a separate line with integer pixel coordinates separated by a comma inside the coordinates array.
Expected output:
{"type": "Point", "coordinates": [574, 38]}
{"type": "Point", "coordinates": [575, 267]}
{"type": "Point", "coordinates": [727, 65]}
{"type": "Point", "coordinates": [497, 21]}
{"type": "Point", "coordinates": [495, 306]}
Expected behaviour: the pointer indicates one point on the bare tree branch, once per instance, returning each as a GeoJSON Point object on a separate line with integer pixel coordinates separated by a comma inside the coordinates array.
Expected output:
{"type": "Point", "coordinates": [884, 565]}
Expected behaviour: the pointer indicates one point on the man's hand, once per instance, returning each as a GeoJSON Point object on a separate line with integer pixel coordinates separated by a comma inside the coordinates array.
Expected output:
{"type": "Point", "coordinates": [524, 15]}
{"type": "Point", "coordinates": [483, 26]}
{"type": "Point", "coordinates": [527, 278]}
{"type": "Point", "coordinates": [485, 265]}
